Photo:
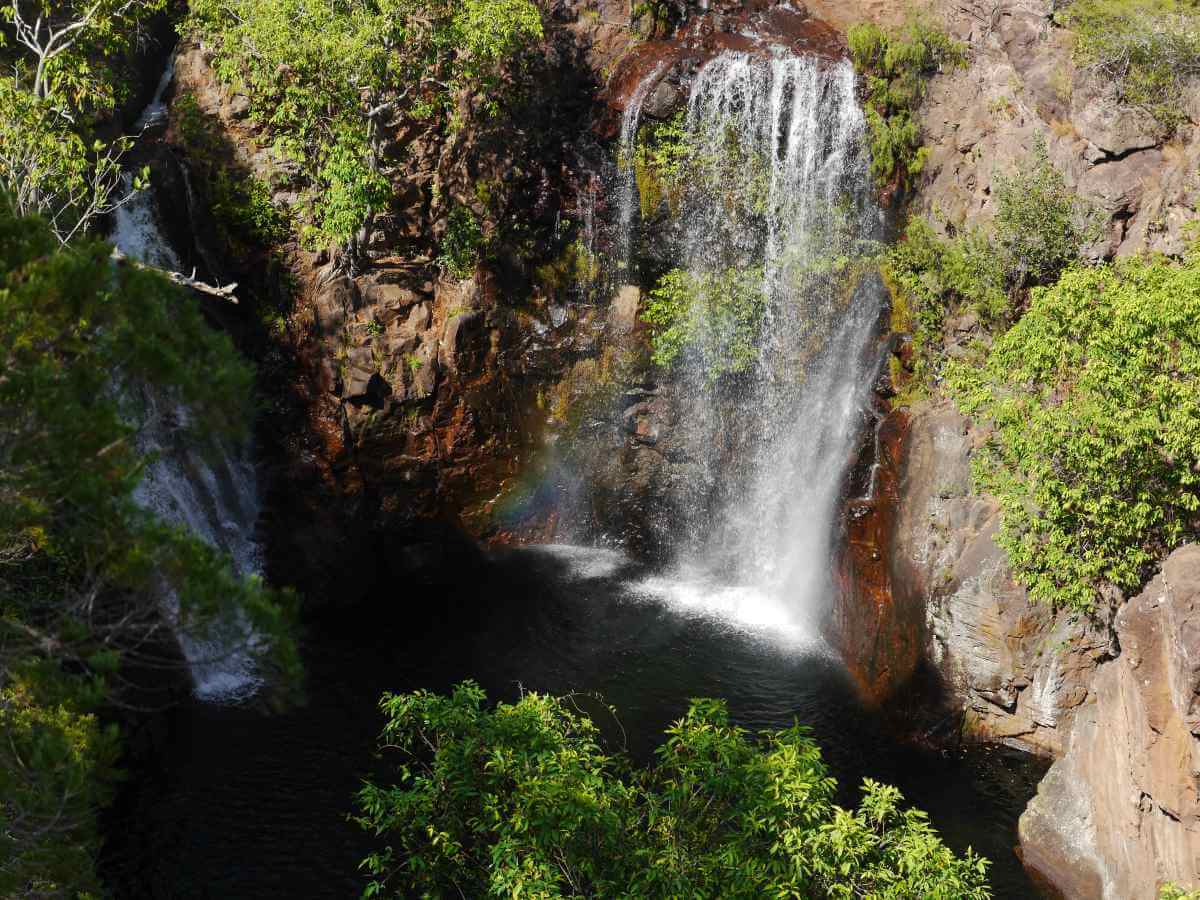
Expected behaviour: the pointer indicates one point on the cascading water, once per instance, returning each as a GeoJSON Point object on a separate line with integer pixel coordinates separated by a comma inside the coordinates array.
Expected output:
{"type": "Point", "coordinates": [777, 205]}
{"type": "Point", "coordinates": [627, 203]}
{"type": "Point", "coordinates": [214, 495]}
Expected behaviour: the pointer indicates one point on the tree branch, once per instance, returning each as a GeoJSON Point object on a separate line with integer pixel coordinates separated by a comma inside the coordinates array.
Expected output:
{"type": "Point", "coordinates": [224, 292]}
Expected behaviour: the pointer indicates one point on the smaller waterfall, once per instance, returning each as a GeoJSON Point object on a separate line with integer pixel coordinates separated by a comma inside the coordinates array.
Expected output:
{"type": "Point", "coordinates": [627, 205]}
{"type": "Point", "coordinates": [215, 496]}
{"type": "Point", "coordinates": [155, 114]}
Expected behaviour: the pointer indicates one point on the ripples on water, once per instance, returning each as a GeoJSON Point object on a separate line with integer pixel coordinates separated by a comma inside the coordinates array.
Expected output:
{"type": "Point", "coordinates": [246, 805]}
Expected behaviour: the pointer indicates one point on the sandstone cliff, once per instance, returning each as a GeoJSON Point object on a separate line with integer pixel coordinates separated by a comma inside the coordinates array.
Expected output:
{"type": "Point", "coordinates": [1119, 813]}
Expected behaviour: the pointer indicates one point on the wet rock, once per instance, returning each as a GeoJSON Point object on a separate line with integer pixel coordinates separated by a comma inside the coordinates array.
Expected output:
{"type": "Point", "coordinates": [461, 331]}
{"type": "Point", "coordinates": [334, 304]}
{"type": "Point", "coordinates": [663, 101]}
{"type": "Point", "coordinates": [623, 314]}
{"type": "Point", "coordinates": [387, 295]}
{"type": "Point", "coordinates": [1119, 813]}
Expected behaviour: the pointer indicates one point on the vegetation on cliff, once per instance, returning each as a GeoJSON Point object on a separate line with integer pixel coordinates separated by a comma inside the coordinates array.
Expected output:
{"type": "Point", "coordinates": [1084, 380]}
{"type": "Point", "coordinates": [895, 65]}
{"type": "Point", "coordinates": [1093, 399]}
{"type": "Point", "coordinates": [1148, 50]}
{"type": "Point", "coordinates": [1039, 229]}
{"type": "Point", "coordinates": [82, 339]}
{"type": "Point", "coordinates": [523, 800]}
{"type": "Point", "coordinates": [326, 79]}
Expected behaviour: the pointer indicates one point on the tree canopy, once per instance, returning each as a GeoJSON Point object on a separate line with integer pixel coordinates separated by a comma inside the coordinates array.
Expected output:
{"type": "Point", "coordinates": [81, 563]}
{"type": "Point", "coordinates": [69, 64]}
{"type": "Point", "coordinates": [522, 800]}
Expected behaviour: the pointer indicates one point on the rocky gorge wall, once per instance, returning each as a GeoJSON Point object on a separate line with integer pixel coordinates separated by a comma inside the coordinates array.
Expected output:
{"type": "Point", "coordinates": [415, 413]}
{"type": "Point", "coordinates": [1115, 817]}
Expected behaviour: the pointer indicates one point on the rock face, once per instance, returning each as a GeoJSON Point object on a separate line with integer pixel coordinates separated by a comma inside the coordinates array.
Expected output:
{"type": "Point", "coordinates": [1119, 813]}
{"type": "Point", "coordinates": [1018, 670]}
{"type": "Point", "coordinates": [1021, 82]}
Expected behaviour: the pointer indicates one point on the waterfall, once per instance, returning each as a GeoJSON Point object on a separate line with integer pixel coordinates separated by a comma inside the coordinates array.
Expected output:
{"type": "Point", "coordinates": [627, 204]}
{"type": "Point", "coordinates": [778, 197]}
{"type": "Point", "coordinates": [214, 495]}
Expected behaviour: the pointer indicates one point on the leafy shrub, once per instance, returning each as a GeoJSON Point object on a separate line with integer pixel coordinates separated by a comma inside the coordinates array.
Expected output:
{"type": "Point", "coordinates": [1039, 229]}
{"type": "Point", "coordinates": [1148, 49]}
{"type": "Point", "coordinates": [522, 801]}
{"type": "Point", "coordinates": [461, 243]}
{"type": "Point", "coordinates": [712, 317]}
{"type": "Point", "coordinates": [661, 160]}
{"type": "Point", "coordinates": [344, 66]}
{"type": "Point", "coordinates": [1041, 225]}
{"type": "Point", "coordinates": [1093, 399]}
{"type": "Point", "coordinates": [896, 65]}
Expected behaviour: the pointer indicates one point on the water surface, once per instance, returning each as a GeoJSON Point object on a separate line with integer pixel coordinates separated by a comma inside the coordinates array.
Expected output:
{"type": "Point", "coordinates": [247, 805]}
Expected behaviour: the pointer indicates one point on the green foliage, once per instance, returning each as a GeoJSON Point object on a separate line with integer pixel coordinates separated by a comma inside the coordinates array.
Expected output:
{"type": "Point", "coordinates": [241, 204]}
{"type": "Point", "coordinates": [461, 243]}
{"type": "Point", "coordinates": [712, 317]}
{"type": "Point", "coordinates": [1039, 229]}
{"type": "Point", "coordinates": [1148, 49]}
{"type": "Point", "coordinates": [67, 65]}
{"type": "Point", "coordinates": [82, 338]}
{"type": "Point", "coordinates": [346, 66]}
{"type": "Point", "coordinates": [662, 158]}
{"type": "Point", "coordinates": [1041, 225]}
{"type": "Point", "coordinates": [576, 267]}
{"type": "Point", "coordinates": [245, 211]}
{"type": "Point", "coordinates": [75, 54]}
{"type": "Point", "coordinates": [1174, 892]}
{"type": "Point", "coordinates": [47, 167]}
{"type": "Point", "coordinates": [896, 65]}
{"type": "Point", "coordinates": [522, 800]}
{"type": "Point", "coordinates": [1093, 399]}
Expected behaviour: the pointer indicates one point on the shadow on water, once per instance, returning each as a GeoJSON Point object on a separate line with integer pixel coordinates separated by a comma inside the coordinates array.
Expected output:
{"type": "Point", "coordinates": [248, 805]}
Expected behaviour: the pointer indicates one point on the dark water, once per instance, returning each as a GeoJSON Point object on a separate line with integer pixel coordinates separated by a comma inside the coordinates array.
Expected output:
{"type": "Point", "coordinates": [246, 805]}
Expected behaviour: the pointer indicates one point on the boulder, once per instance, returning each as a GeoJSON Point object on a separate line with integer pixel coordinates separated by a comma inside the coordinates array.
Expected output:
{"type": "Point", "coordinates": [1119, 814]}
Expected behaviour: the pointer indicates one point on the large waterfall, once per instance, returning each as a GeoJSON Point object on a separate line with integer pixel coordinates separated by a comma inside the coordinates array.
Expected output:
{"type": "Point", "coordinates": [777, 201]}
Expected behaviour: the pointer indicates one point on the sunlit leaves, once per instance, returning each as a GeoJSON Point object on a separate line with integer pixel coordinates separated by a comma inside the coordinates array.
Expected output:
{"type": "Point", "coordinates": [711, 318]}
{"type": "Point", "coordinates": [325, 77]}
{"type": "Point", "coordinates": [1094, 401]}
{"type": "Point", "coordinates": [521, 800]}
